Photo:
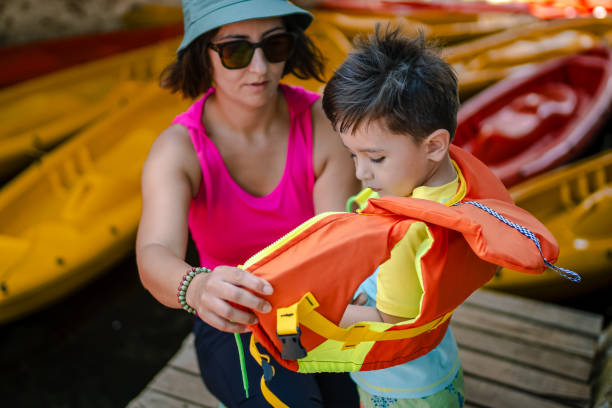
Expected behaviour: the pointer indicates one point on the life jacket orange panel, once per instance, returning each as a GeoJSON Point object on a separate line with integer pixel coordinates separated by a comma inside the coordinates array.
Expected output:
{"type": "Point", "coordinates": [320, 261]}
{"type": "Point", "coordinates": [332, 255]}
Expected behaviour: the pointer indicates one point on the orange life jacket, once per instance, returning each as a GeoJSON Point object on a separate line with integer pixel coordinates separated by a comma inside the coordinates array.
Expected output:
{"type": "Point", "coordinates": [317, 268]}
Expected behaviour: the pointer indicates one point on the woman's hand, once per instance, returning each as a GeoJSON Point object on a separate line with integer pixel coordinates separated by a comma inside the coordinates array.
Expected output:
{"type": "Point", "coordinates": [211, 293]}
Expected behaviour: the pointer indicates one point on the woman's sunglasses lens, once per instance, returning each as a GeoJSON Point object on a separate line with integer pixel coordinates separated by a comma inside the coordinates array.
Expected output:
{"type": "Point", "coordinates": [237, 54]}
{"type": "Point", "coordinates": [278, 48]}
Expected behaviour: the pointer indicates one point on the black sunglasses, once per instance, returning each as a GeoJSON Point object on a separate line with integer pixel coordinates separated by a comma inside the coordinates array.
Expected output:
{"type": "Point", "coordinates": [238, 54]}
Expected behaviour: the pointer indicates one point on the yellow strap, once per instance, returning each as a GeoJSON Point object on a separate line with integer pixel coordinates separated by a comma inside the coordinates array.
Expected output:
{"type": "Point", "coordinates": [255, 352]}
{"type": "Point", "coordinates": [269, 395]}
{"type": "Point", "coordinates": [304, 313]}
{"type": "Point", "coordinates": [461, 191]}
{"type": "Point", "coordinates": [265, 391]}
{"type": "Point", "coordinates": [352, 336]}
{"type": "Point", "coordinates": [286, 320]}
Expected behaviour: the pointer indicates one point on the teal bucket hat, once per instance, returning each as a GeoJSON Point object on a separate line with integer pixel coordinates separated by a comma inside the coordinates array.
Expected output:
{"type": "Point", "coordinates": [201, 16]}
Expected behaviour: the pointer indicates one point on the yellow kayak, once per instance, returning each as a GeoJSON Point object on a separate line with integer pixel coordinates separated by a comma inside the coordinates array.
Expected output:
{"type": "Point", "coordinates": [575, 203]}
{"type": "Point", "coordinates": [353, 24]}
{"type": "Point", "coordinates": [335, 47]}
{"type": "Point", "coordinates": [485, 24]}
{"type": "Point", "coordinates": [457, 27]}
{"type": "Point", "coordinates": [73, 214]}
{"type": "Point", "coordinates": [38, 114]}
{"type": "Point", "coordinates": [481, 62]}
{"type": "Point", "coordinates": [148, 15]}
{"type": "Point", "coordinates": [504, 42]}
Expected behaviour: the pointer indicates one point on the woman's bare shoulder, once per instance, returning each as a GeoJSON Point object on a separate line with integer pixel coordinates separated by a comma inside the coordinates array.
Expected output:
{"type": "Point", "coordinates": [173, 144]}
{"type": "Point", "coordinates": [175, 137]}
{"type": "Point", "coordinates": [173, 153]}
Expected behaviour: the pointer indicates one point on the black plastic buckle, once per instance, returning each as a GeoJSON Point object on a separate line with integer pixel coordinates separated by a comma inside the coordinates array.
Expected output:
{"type": "Point", "coordinates": [268, 373]}
{"type": "Point", "coordinates": [292, 348]}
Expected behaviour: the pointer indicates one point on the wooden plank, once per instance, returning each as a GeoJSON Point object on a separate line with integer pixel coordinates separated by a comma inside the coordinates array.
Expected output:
{"type": "Point", "coordinates": [550, 314]}
{"type": "Point", "coordinates": [187, 386]}
{"type": "Point", "coordinates": [527, 379]}
{"type": "Point", "coordinates": [186, 359]}
{"type": "Point", "coordinates": [515, 352]}
{"type": "Point", "coordinates": [153, 399]}
{"type": "Point", "coordinates": [527, 331]}
{"type": "Point", "coordinates": [489, 394]}
{"type": "Point", "coordinates": [564, 364]}
{"type": "Point", "coordinates": [602, 376]}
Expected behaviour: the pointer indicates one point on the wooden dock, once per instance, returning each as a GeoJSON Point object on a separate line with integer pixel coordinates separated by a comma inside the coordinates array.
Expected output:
{"type": "Point", "coordinates": [515, 352]}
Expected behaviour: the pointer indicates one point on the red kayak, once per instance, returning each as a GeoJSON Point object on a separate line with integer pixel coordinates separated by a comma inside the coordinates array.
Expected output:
{"type": "Point", "coordinates": [22, 62]}
{"type": "Point", "coordinates": [542, 117]}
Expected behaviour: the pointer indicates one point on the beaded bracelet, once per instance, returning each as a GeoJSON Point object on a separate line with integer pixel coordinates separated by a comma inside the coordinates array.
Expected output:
{"type": "Point", "coordinates": [182, 289]}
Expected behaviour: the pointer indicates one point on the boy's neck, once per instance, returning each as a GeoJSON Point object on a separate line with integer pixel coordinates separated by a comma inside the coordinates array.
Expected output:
{"type": "Point", "coordinates": [443, 173]}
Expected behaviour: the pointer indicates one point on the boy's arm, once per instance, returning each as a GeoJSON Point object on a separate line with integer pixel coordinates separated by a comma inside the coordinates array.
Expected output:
{"type": "Point", "coordinates": [356, 313]}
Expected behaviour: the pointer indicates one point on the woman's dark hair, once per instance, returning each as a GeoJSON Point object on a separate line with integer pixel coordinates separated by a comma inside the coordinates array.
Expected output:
{"type": "Point", "coordinates": [191, 75]}
{"type": "Point", "coordinates": [399, 80]}
{"type": "Point", "coordinates": [190, 72]}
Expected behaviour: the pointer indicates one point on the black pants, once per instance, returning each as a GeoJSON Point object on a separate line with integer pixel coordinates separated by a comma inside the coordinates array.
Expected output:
{"type": "Point", "coordinates": [220, 369]}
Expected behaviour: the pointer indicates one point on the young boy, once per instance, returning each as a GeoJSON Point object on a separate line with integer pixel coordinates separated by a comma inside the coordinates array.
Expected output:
{"type": "Point", "coordinates": [394, 103]}
{"type": "Point", "coordinates": [445, 224]}
{"type": "Point", "coordinates": [412, 257]}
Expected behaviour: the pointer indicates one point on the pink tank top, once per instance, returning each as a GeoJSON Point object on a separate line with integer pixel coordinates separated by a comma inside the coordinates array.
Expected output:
{"type": "Point", "coordinates": [227, 224]}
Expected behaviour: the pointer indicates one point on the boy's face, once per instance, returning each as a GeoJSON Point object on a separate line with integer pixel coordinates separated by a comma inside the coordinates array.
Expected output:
{"type": "Point", "coordinates": [388, 163]}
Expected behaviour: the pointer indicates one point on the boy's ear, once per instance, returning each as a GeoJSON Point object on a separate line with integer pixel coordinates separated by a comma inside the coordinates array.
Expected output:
{"type": "Point", "coordinates": [436, 144]}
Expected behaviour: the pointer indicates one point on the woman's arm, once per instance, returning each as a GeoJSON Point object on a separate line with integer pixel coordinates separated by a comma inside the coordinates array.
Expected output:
{"type": "Point", "coordinates": [167, 189]}
{"type": "Point", "coordinates": [334, 169]}
{"type": "Point", "coordinates": [171, 177]}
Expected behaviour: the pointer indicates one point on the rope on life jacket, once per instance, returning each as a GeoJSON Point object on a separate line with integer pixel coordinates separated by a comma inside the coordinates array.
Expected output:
{"type": "Point", "coordinates": [566, 273]}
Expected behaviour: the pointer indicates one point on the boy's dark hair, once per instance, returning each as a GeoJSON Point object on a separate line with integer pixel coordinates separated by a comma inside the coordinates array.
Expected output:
{"type": "Point", "coordinates": [397, 79]}
{"type": "Point", "coordinates": [190, 72]}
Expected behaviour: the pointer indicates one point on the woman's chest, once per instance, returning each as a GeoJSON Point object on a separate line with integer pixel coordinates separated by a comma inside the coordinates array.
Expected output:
{"type": "Point", "coordinates": [257, 166]}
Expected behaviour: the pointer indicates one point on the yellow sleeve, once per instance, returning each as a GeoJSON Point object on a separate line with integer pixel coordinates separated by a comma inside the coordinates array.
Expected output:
{"type": "Point", "coordinates": [399, 282]}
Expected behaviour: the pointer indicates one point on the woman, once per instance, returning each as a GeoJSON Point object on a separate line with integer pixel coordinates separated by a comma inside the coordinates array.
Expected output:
{"type": "Point", "coordinates": [248, 162]}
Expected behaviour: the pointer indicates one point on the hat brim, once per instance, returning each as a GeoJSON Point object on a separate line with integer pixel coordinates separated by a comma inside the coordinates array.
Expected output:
{"type": "Point", "coordinates": [241, 11]}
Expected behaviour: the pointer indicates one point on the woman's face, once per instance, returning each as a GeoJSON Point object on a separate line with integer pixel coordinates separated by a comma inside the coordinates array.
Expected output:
{"type": "Point", "coordinates": [256, 84]}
